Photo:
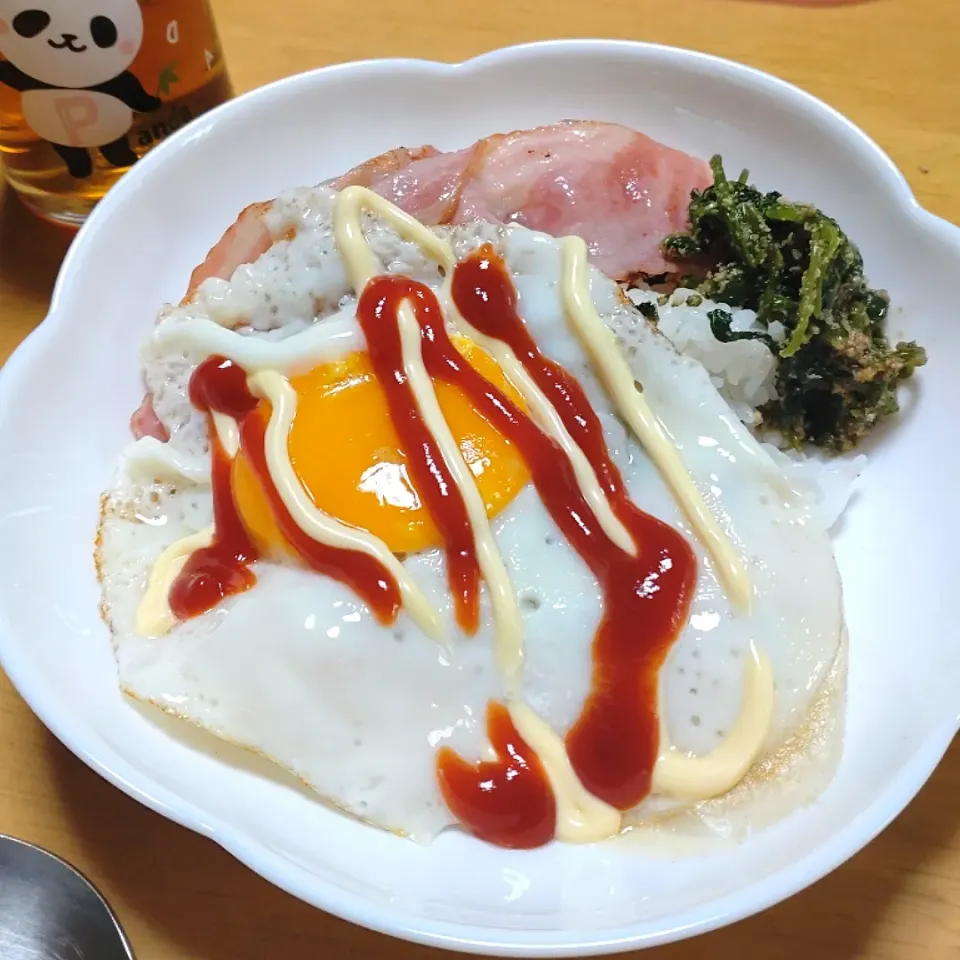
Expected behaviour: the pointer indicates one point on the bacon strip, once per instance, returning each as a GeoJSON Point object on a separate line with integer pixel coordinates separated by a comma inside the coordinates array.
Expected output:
{"type": "Point", "coordinates": [245, 240]}
{"type": "Point", "coordinates": [382, 166]}
{"type": "Point", "coordinates": [428, 188]}
{"type": "Point", "coordinates": [618, 189]}
{"type": "Point", "coordinates": [146, 423]}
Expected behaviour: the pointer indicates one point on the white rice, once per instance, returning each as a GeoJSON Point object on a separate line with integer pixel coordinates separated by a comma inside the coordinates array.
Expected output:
{"type": "Point", "coordinates": [744, 373]}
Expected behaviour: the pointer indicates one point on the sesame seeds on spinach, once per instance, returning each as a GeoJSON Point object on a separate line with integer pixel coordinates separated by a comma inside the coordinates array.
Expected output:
{"type": "Point", "coordinates": [837, 374]}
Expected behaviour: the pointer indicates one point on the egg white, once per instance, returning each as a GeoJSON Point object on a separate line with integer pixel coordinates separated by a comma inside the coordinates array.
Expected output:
{"type": "Point", "coordinates": [299, 670]}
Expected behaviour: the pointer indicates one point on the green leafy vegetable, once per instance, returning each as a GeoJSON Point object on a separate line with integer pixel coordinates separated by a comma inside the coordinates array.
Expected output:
{"type": "Point", "coordinates": [837, 374]}
{"type": "Point", "coordinates": [720, 327]}
{"type": "Point", "coordinates": [649, 311]}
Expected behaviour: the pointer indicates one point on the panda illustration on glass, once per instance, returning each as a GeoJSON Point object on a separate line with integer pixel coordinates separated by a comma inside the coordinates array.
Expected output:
{"type": "Point", "coordinates": [69, 59]}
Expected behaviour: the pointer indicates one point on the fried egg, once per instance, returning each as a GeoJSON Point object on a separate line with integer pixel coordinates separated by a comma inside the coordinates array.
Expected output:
{"type": "Point", "coordinates": [299, 669]}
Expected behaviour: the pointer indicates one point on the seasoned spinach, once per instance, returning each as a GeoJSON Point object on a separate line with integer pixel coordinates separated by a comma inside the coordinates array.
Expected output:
{"type": "Point", "coordinates": [837, 374]}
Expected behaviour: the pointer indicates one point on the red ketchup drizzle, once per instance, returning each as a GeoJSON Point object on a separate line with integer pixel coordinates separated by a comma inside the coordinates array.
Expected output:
{"type": "Point", "coordinates": [222, 569]}
{"type": "Point", "coordinates": [507, 801]}
{"type": "Point", "coordinates": [614, 743]}
{"type": "Point", "coordinates": [377, 312]}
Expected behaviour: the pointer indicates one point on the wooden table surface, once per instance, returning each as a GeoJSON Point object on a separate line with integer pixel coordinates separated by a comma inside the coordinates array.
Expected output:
{"type": "Point", "coordinates": [888, 65]}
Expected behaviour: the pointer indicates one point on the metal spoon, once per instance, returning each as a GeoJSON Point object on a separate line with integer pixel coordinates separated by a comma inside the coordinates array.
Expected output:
{"type": "Point", "coordinates": [49, 911]}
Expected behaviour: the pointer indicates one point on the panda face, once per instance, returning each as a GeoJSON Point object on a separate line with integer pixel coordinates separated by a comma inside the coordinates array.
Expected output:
{"type": "Point", "coordinates": [70, 43]}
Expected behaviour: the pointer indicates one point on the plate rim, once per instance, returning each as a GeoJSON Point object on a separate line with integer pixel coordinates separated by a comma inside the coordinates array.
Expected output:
{"type": "Point", "coordinates": [353, 907]}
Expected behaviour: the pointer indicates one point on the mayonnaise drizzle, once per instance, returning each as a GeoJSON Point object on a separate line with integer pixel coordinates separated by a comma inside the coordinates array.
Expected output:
{"type": "Point", "coordinates": [275, 388]}
{"type": "Point", "coordinates": [691, 774]}
{"type": "Point", "coordinates": [333, 338]}
{"type": "Point", "coordinates": [615, 373]}
{"type": "Point", "coordinates": [698, 778]}
{"type": "Point", "coordinates": [362, 265]}
{"type": "Point", "coordinates": [338, 336]}
{"type": "Point", "coordinates": [544, 414]}
{"type": "Point", "coordinates": [228, 432]}
{"type": "Point", "coordinates": [546, 417]}
{"type": "Point", "coordinates": [581, 817]}
{"type": "Point", "coordinates": [154, 617]}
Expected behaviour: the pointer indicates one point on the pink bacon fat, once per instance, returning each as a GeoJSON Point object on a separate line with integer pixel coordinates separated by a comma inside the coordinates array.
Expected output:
{"type": "Point", "coordinates": [146, 423]}
{"type": "Point", "coordinates": [618, 189]}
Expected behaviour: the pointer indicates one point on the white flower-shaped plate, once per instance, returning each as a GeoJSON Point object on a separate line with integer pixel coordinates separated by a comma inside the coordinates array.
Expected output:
{"type": "Point", "coordinates": [66, 394]}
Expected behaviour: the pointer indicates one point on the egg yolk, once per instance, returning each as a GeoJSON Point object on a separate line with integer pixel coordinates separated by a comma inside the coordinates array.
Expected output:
{"type": "Point", "coordinates": [347, 456]}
